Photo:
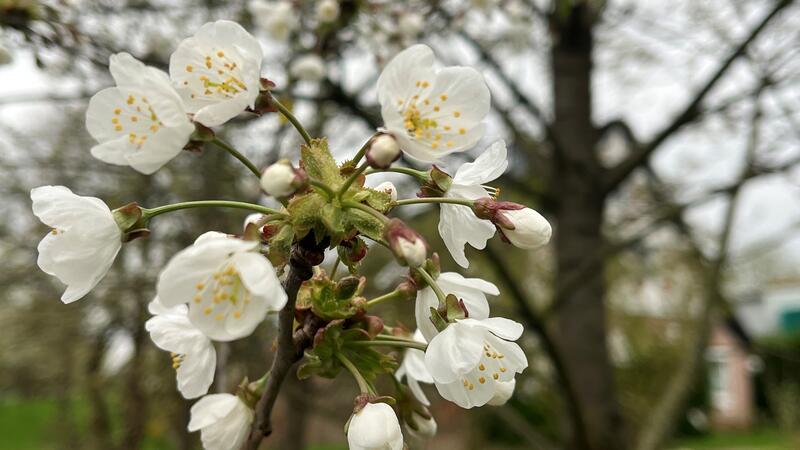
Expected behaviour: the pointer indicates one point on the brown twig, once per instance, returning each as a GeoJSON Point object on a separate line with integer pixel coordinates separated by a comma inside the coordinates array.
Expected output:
{"type": "Point", "coordinates": [305, 254]}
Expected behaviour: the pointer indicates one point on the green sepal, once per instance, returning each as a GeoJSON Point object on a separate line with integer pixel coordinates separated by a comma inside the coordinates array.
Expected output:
{"type": "Point", "coordinates": [454, 308]}
{"type": "Point", "coordinates": [333, 219]}
{"type": "Point", "coordinates": [319, 164]}
{"type": "Point", "coordinates": [321, 360]}
{"type": "Point", "coordinates": [304, 212]}
{"type": "Point", "coordinates": [365, 223]}
{"type": "Point", "coordinates": [280, 246]}
{"type": "Point", "coordinates": [438, 321]}
{"type": "Point", "coordinates": [320, 294]}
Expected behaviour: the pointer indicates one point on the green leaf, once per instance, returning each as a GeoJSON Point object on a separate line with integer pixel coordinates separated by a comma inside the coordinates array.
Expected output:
{"type": "Point", "coordinates": [319, 164]}
{"type": "Point", "coordinates": [320, 295]}
{"type": "Point", "coordinates": [365, 223]}
{"type": "Point", "coordinates": [304, 212]}
{"type": "Point", "coordinates": [280, 246]}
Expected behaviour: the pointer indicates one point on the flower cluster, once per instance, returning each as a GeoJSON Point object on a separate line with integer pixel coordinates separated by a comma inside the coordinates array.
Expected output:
{"type": "Point", "coordinates": [223, 286]}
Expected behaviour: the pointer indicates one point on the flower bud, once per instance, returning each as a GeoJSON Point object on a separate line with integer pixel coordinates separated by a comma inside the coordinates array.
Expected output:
{"type": "Point", "coordinates": [531, 230]}
{"type": "Point", "coordinates": [389, 188]}
{"type": "Point", "coordinates": [383, 151]}
{"type": "Point", "coordinates": [406, 244]}
{"type": "Point", "coordinates": [327, 11]}
{"type": "Point", "coordinates": [502, 392]}
{"type": "Point", "coordinates": [374, 427]}
{"type": "Point", "coordinates": [222, 419]}
{"type": "Point", "coordinates": [519, 225]}
{"type": "Point", "coordinates": [437, 183]}
{"type": "Point", "coordinates": [308, 68]}
{"type": "Point", "coordinates": [282, 180]}
{"type": "Point", "coordinates": [347, 287]}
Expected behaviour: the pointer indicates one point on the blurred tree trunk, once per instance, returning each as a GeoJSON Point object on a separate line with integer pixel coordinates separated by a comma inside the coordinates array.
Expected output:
{"type": "Point", "coordinates": [297, 413]}
{"type": "Point", "coordinates": [580, 310]}
{"type": "Point", "coordinates": [135, 398]}
{"type": "Point", "coordinates": [99, 425]}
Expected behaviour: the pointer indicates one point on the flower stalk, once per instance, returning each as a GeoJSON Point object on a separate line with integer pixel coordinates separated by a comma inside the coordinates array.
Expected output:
{"type": "Point", "coordinates": [292, 119]}
{"type": "Point", "coordinates": [152, 212]}
{"type": "Point", "coordinates": [238, 155]}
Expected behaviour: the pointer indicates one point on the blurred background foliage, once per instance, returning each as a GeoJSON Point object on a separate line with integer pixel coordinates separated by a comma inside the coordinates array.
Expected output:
{"type": "Point", "coordinates": [652, 260]}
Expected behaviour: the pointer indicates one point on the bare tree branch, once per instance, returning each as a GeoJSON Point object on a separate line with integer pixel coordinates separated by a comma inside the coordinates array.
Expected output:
{"type": "Point", "coordinates": [641, 155]}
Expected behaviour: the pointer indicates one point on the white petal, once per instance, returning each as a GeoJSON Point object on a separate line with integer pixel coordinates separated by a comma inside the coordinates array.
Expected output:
{"type": "Point", "coordinates": [211, 409]}
{"type": "Point", "coordinates": [501, 327]}
{"type": "Point", "coordinates": [490, 165]}
{"type": "Point", "coordinates": [403, 71]}
{"type": "Point", "coordinates": [459, 226]}
{"type": "Point", "coordinates": [453, 352]}
{"type": "Point", "coordinates": [196, 372]}
{"type": "Point", "coordinates": [259, 277]}
{"type": "Point", "coordinates": [219, 113]}
{"type": "Point", "coordinates": [426, 299]}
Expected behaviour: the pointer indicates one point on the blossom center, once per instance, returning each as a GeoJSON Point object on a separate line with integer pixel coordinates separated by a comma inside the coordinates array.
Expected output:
{"type": "Point", "coordinates": [223, 294]}
{"type": "Point", "coordinates": [177, 360]}
{"type": "Point", "coordinates": [137, 118]}
{"type": "Point", "coordinates": [219, 76]}
{"type": "Point", "coordinates": [424, 117]}
{"type": "Point", "coordinates": [489, 367]}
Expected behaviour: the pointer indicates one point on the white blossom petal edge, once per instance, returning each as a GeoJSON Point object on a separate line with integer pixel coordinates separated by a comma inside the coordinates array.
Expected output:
{"type": "Point", "coordinates": [223, 420]}
{"type": "Point", "coordinates": [84, 241]}
{"type": "Point", "coordinates": [217, 72]}
{"type": "Point", "coordinates": [414, 370]}
{"type": "Point", "coordinates": [139, 123]}
{"type": "Point", "coordinates": [430, 113]}
{"type": "Point", "coordinates": [472, 291]}
{"type": "Point", "coordinates": [458, 224]}
{"type": "Point", "coordinates": [470, 357]}
{"type": "Point", "coordinates": [229, 285]}
{"type": "Point", "coordinates": [194, 357]}
{"type": "Point", "coordinates": [375, 427]}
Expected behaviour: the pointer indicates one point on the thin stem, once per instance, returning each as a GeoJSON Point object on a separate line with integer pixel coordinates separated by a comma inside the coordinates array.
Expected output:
{"type": "Point", "coordinates": [335, 267]}
{"type": "Point", "coordinates": [348, 182]}
{"type": "Point", "coordinates": [388, 343]}
{"type": "Point", "coordinates": [236, 154]}
{"type": "Point", "coordinates": [419, 174]}
{"type": "Point", "coordinates": [384, 298]}
{"type": "Point", "coordinates": [432, 283]}
{"type": "Point", "coordinates": [362, 151]}
{"type": "Point", "coordinates": [324, 187]}
{"type": "Point", "coordinates": [149, 213]}
{"type": "Point", "coordinates": [362, 383]}
{"type": "Point", "coordinates": [454, 201]}
{"type": "Point", "coordinates": [365, 208]}
{"type": "Point", "coordinates": [259, 384]}
{"type": "Point", "coordinates": [293, 120]}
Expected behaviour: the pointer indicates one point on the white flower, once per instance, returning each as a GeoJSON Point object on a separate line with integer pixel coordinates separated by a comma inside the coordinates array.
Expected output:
{"type": "Point", "coordinates": [308, 68]}
{"type": "Point", "coordinates": [139, 123]}
{"type": "Point", "coordinates": [383, 151]}
{"type": "Point", "coordinates": [458, 224]}
{"type": "Point", "coordinates": [425, 429]}
{"type": "Point", "coordinates": [471, 290]}
{"type": "Point", "coordinates": [194, 358]}
{"type": "Point", "coordinates": [277, 18]}
{"type": "Point", "coordinates": [217, 71]}
{"type": "Point", "coordinates": [470, 357]}
{"type": "Point", "coordinates": [278, 180]}
{"type": "Point", "coordinates": [410, 25]}
{"type": "Point", "coordinates": [84, 241]}
{"type": "Point", "coordinates": [502, 392]}
{"type": "Point", "coordinates": [531, 230]}
{"type": "Point", "coordinates": [414, 370]}
{"type": "Point", "coordinates": [327, 11]}
{"type": "Point", "coordinates": [375, 427]}
{"type": "Point", "coordinates": [431, 114]}
{"type": "Point", "coordinates": [389, 188]}
{"type": "Point", "coordinates": [229, 285]}
{"type": "Point", "coordinates": [223, 420]}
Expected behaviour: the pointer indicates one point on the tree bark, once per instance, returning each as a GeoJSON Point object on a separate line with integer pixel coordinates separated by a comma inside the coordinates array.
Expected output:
{"type": "Point", "coordinates": [580, 320]}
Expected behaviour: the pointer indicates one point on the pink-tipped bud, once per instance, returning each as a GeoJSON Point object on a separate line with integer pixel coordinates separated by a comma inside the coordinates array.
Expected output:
{"type": "Point", "coordinates": [408, 246]}
{"type": "Point", "coordinates": [282, 179]}
{"type": "Point", "coordinates": [519, 225]}
{"type": "Point", "coordinates": [383, 151]}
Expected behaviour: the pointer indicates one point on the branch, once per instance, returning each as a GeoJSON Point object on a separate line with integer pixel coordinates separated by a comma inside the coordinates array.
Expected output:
{"type": "Point", "coordinates": [305, 254]}
{"type": "Point", "coordinates": [641, 155]}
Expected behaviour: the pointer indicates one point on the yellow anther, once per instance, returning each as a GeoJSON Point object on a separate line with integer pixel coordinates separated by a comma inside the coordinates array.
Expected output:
{"type": "Point", "coordinates": [115, 120]}
{"type": "Point", "coordinates": [503, 369]}
{"type": "Point", "coordinates": [418, 83]}
{"type": "Point", "coordinates": [207, 311]}
{"type": "Point", "coordinates": [118, 127]}
{"type": "Point", "coordinates": [435, 145]}
{"type": "Point", "coordinates": [200, 286]}
{"type": "Point", "coordinates": [54, 232]}
{"type": "Point", "coordinates": [237, 314]}
{"type": "Point", "coordinates": [495, 376]}
{"type": "Point", "coordinates": [425, 84]}
{"type": "Point", "coordinates": [466, 383]}
{"type": "Point", "coordinates": [447, 128]}
{"type": "Point", "coordinates": [443, 97]}
{"type": "Point", "coordinates": [117, 110]}
{"type": "Point", "coordinates": [189, 68]}
{"type": "Point", "coordinates": [153, 128]}
{"type": "Point", "coordinates": [220, 53]}
{"type": "Point", "coordinates": [130, 100]}
{"type": "Point", "coordinates": [482, 367]}
{"type": "Point", "coordinates": [456, 114]}
{"type": "Point", "coordinates": [450, 143]}
{"type": "Point", "coordinates": [427, 102]}
{"type": "Point", "coordinates": [198, 298]}
{"type": "Point", "coordinates": [481, 380]}
{"type": "Point", "coordinates": [134, 119]}
{"type": "Point", "coordinates": [218, 317]}
{"type": "Point", "coordinates": [471, 386]}
{"type": "Point", "coordinates": [461, 131]}
{"type": "Point", "coordinates": [436, 108]}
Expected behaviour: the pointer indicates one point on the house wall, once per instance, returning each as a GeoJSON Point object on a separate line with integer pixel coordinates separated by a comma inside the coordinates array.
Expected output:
{"type": "Point", "coordinates": [731, 390]}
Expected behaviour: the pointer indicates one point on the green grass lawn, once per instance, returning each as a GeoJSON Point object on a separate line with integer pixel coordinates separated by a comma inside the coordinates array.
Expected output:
{"type": "Point", "coordinates": [30, 425]}
{"type": "Point", "coordinates": [764, 439]}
